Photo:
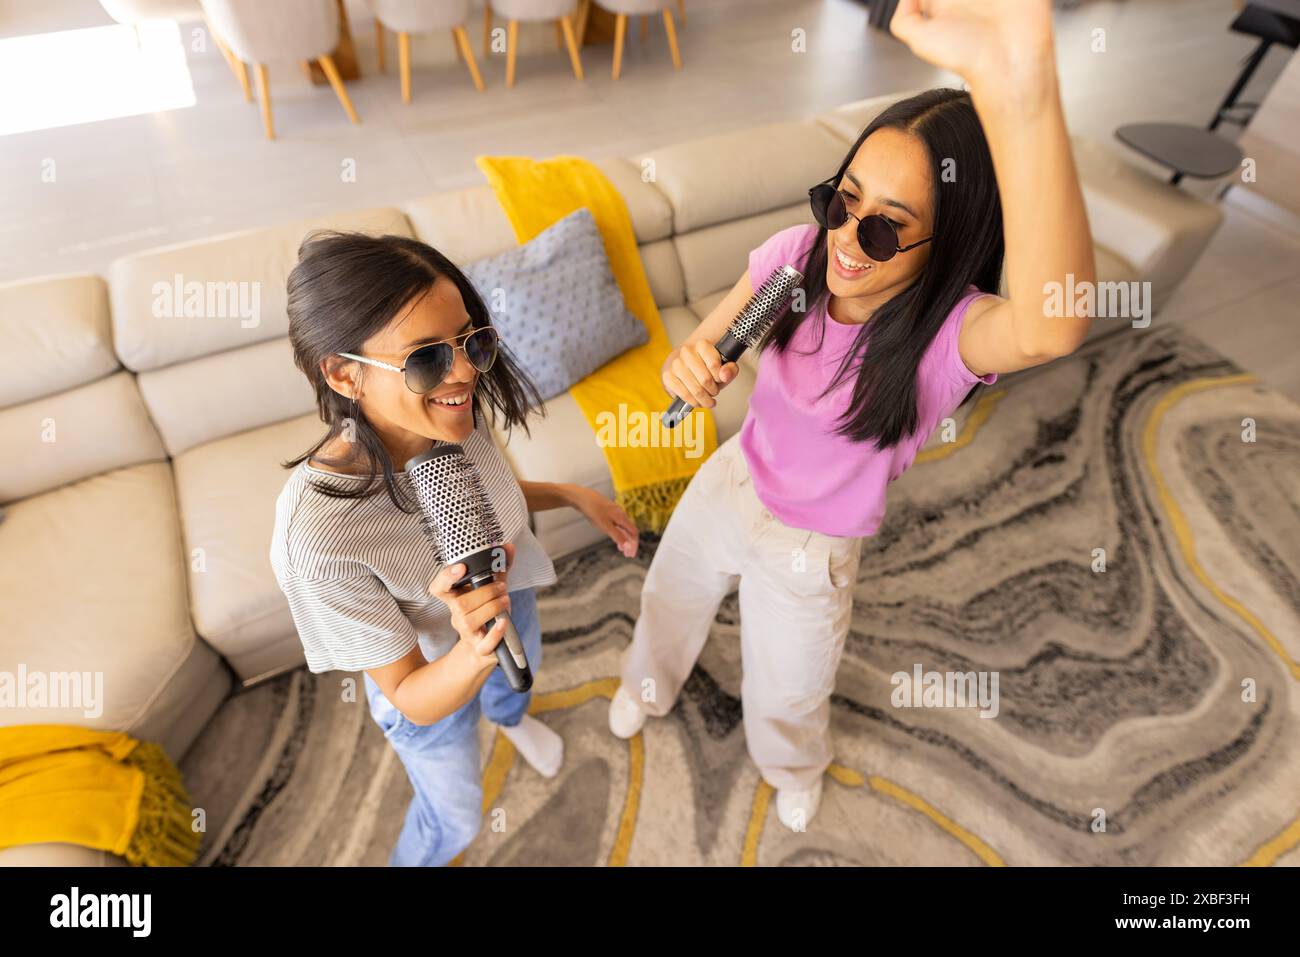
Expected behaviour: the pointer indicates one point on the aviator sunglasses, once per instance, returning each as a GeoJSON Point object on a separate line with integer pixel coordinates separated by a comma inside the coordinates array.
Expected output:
{"type": "Point", "coordinates": [426, 366]}
{"type": "Point", "coordinates": [876, 235]}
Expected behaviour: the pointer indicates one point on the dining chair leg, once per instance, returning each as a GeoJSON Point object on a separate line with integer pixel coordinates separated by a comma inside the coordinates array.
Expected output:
{"type": "Point", "coordinates": [644, 30]}
{"type": "Point", "coordinates": [241, 73]}
{"type": "Point", "coordinates": [681, 11]}
{"type": "Point", "coordinates": [672, 39]}
{"type": "Point", "coordinates": [467, 53]}
{"type": "Point", "coordinates": [584, 8]}
{"type": "Point", "coordinates": [512, 47]}
{"type": "Point", "coordinates": [620, 31]}
{"type": "Point", "coordinates": [404, 64]}
{"type": "Point", "coordinates": [559, 36]}
{"type": "Point", "coordinates": [332, 74]}
{"type": "Point", "coordinates": [487, 28]}
{"type": "Point", "coordinates": [236, 65]}
{"type": "Point", "coordinates": [381, 46]}
{"type": "Point", "coordinates": [224, 50]}
{"type": "Point", "coordinates": [571, 40]}
{"type": "Point", "coordinates": [264, 95]}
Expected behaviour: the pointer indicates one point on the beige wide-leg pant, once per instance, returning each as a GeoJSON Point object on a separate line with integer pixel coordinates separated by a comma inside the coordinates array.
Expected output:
{"type": "Point", "coordinates": [795, 604]}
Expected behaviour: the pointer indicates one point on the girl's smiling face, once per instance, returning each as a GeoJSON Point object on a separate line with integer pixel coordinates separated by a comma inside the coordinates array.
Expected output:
{"type": "Point", "coordinates": [890, 176]}
{"type": "Point", "coordinates": [405, 420]}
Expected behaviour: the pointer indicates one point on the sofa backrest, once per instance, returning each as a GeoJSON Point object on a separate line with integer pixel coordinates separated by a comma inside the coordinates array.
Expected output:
{"type": "Point", "coordinates": [469, 224]}
{"type": "Point", "coordinates": [198, 320]}
{"type": "Point", "coordinates": [731, 191]}
{"type": "Point", "coordinates": [67, 409]}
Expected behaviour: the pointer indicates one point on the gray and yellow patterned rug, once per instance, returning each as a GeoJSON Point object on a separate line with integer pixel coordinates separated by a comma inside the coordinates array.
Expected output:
{"type": "Point", "coordinates": [1148, 713]}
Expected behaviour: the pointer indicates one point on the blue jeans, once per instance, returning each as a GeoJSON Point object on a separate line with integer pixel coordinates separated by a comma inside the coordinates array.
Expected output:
{"type": "Point", "coordinates": [442, 759]}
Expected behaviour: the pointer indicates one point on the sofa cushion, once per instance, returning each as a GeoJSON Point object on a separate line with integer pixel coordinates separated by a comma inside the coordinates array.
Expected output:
{"type": "Point", "coordinates": [59, 326]}
{"type": "Point", "coordinates": [75, 434]}
{"type": "Point", "coordinates": [193, 299]}
{"type": "Point", "coordinates": [557, 304]}
{"type": "Point", "coordinates": [180, 396]}
{"type": "Point", "coordinates": [226, 491]}
{"type": "Point", "coordinates": [94, 581]}
{"type": "Point", "coordinates": [664, 273]}
{"type": "Point", "coordinates": [743, 173]}
{"type": "Point", "coordinates": [714, 258]}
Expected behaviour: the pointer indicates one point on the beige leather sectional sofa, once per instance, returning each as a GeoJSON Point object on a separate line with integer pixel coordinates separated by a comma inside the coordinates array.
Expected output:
{"type": "Point", "coordinates": [142, 447]}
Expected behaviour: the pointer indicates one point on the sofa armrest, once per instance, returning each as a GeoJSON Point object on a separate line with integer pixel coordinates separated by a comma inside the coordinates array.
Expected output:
{"type": "Point", "coordinates": [1159, 229]}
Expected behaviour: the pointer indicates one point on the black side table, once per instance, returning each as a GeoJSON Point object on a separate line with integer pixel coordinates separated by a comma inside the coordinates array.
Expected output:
{"type": "Point", "coordinates": [1187, 150]}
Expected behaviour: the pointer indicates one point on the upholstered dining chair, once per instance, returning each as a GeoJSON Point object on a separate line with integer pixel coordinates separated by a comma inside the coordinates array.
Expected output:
{"type": "Point", "coordinates": [259, 33]}
{"type": "Point", "coordinates": [630, 8]}
{"type": "Point", "coordinates": [133, 12]}
{"type": "Point", "coordinates": [563, 12]}
{"type": "Point", "coordinates": [405, 17]}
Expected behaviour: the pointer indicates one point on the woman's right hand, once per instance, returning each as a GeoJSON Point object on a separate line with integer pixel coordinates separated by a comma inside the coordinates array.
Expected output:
{"type": "Point", "coordinates": [695, 373]}
{"type": "Point", "coordinates": [472, 609]}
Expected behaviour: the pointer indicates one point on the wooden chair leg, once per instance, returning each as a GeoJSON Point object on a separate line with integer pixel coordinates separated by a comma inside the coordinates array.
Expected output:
{"type": "Point", "coordinates": [644, 30]}
{"type": "Point", "coordinates": [487, 28]}
{"type": "Point", "coordinates": [672, 39]}
{"type": "Point", "coordinates": [584, 11]}
{"type": "Point", "coordinates": [264, 95]}
{"type": "Point", "coordinates": [381, 46]}
{"type": "Point", "coordinates": [241, 74]}
{"type": "Point", "coordinates": [681, 11]}
{"type": "Point", "coordinates": [512, 47]}
{"type": "Point", "coordinates": [332, 74]}
{"type": "Point", "coordinates": [223, 50]}
{"type": "Point", "coordinates": [236, 65]}
{"type": "Point", "coordinates": [404, 64]}
{"type": "Point", "coordinates": [559, 36]}
{"type": "Point", "coordinates": [620, 32]}
{"type": "Point", "coordinates": [571, 40]}
{"type": "Point", "coordinates": [467, 53]}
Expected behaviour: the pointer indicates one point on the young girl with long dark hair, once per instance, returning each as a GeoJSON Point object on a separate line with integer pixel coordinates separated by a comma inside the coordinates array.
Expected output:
{"type": "Point", "coordinates": [901, 321]}
{"type": "Point", "coordinates": [401, 352]}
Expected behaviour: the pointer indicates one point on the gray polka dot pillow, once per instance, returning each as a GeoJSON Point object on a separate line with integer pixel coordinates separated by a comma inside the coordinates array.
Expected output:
{"type": "Point", "coordinates": [557, 304]}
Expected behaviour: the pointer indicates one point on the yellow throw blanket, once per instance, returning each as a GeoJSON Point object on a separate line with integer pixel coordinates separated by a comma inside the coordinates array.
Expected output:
{"type": "Point", "coordinates": [99, 789]}
{"type": "Point", "coordinates": [651, 470]}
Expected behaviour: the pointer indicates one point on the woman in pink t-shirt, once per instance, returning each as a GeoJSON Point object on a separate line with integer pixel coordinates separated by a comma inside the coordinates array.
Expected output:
{"type": "Point", "coordinates": [898, 321]}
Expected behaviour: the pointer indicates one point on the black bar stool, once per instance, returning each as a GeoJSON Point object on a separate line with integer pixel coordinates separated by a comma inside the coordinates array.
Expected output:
{"type": "Point", "coordinates": [1270, 27]}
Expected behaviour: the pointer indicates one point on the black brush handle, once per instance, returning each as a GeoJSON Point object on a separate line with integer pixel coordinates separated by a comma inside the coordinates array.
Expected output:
{"type": "Point", "coordinates": [510, 649]}
{"type": "Point", "coordinates": [730, 349]}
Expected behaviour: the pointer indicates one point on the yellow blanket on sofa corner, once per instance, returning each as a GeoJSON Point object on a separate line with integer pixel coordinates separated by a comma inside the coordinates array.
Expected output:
{"type": "Point", "coordinates": [99, 789]}
{"type": "Point", "coordinates": [649, 477]}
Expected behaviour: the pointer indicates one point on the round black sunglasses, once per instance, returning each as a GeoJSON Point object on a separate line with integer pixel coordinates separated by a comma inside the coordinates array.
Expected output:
{"type": "Point", "coordinates": [876, 235]}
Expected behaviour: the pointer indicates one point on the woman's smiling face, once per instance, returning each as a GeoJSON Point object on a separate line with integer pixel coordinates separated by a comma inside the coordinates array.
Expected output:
{"type": "Point", "coordinates": [890, 176]}
{"type": "Point", "coordinates": [397, 413]}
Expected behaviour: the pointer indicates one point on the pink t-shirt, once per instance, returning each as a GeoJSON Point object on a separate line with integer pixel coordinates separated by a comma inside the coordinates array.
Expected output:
{"type": "Point", "coordinates": [806, 474]}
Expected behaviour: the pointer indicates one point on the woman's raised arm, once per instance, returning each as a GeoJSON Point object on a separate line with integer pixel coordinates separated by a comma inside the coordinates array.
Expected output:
{"type": "Point", "coordinates": [1003, 49]}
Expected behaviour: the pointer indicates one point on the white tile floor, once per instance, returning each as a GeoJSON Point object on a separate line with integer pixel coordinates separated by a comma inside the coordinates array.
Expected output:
{"type": "Point", "coordinates": [132, 183]}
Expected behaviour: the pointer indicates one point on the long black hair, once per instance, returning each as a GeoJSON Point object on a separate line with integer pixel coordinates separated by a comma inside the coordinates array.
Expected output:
{"type": "Point", "coordinates": [347, 287]}
{"type": "Point", "coordinates": [967, 249]}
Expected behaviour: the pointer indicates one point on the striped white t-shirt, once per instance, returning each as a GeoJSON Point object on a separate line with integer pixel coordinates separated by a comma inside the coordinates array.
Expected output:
{"type": "Point", "coordinates": [357, 571]}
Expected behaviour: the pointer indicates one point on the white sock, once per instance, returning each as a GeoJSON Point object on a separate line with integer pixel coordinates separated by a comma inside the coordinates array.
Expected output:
{"type": "Point", "coordinates": [541, 747]}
